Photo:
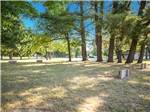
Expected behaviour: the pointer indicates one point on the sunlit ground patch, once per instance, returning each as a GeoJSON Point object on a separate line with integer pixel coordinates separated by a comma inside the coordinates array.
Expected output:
{"type": "Point", "coordinates": [91, 104]}
{"type": "Point", "coordinates": [58, 92]}
{"type": "Point", "coordinates": [140, 83]}
{"type": "Point", "coordinates": [96, 64]}
{"type": "Point", "coordinates": [83, 80]}
{"type": "Point", "coordinates": [37, 64]}
{"type": "Point", "coordinates": [146, 78]}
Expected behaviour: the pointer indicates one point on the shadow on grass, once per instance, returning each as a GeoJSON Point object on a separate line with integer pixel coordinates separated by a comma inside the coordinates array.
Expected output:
{"type": "Point", "coordinates": [72, 87]}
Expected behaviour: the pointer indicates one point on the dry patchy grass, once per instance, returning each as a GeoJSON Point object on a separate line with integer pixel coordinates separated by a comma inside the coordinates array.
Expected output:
{"type": "Point", "coordinates": [73, 87]}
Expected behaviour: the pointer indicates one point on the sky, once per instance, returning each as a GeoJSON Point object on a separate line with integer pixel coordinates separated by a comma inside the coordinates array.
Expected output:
{"type": "Point", "coordinates": [31, 23]}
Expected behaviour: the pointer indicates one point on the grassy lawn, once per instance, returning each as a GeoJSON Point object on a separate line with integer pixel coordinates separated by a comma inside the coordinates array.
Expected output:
{"type": "Point", "coordinates": [73, 87]}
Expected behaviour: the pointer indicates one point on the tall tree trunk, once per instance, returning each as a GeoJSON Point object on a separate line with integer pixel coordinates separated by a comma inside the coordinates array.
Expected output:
{"type": "Point", "coordinates": [1, 56]}
{"type": "Point", "coordinates": [119, 40]}
{"type": "Point", "coordinates": [140, 60]}
{"type": "Point", "coordinates": [10, 55]}
{"type": "Point", "coordinates": [49, 55]}
{"type": "Point", "coordinates": [146, 54]}
{"type": "Point", "coordinates": [76, 54]}
{"type": "Point", "coordinates": [123, 55]}
{"type": "Point", "coordinates": [68, 45]}
{"type": "Point", "coordinates": [46, 54]}
{"type": "Point", "coordinates": [20, 57]}
{"type": "Point", "coordinates": [132, 50]}
{"type": "Point", "coordinates": [149, 54]}
{"type": "Point", "coordinates": [98, 31]}
{"type": "Point", "coordinates": [119, 56]}
{"type": "Point", "coordinates": [82, 32]}
{"type": "Point", "coordinates": [111, 50]}
{"type": "Point", "coordinates": [112, 39]}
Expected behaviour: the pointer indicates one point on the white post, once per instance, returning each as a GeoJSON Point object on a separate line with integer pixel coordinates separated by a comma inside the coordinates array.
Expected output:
{"type": "Point", "coordinates": [124, 74]}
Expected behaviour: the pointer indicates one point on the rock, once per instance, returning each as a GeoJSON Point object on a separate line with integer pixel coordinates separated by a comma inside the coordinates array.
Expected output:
{"type": "Point", "coordinates": [124, 74]}
{"type": "Point", "coordinates": [12, 61]}
{"type": "Point", "coordinates": [39, 61]}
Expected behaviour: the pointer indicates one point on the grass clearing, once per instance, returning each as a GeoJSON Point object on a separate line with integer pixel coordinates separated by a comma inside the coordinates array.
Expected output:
{"type": "Point", "coordinates": [73, 87]}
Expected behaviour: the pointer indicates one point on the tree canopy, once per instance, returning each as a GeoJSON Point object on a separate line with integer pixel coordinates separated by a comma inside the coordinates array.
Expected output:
{"type": "Point", "coordinates": [85, 30]}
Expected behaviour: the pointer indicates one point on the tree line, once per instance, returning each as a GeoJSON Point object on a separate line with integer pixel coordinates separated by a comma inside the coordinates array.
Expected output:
{"type": "Point", "coordinates": [61, 29]}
